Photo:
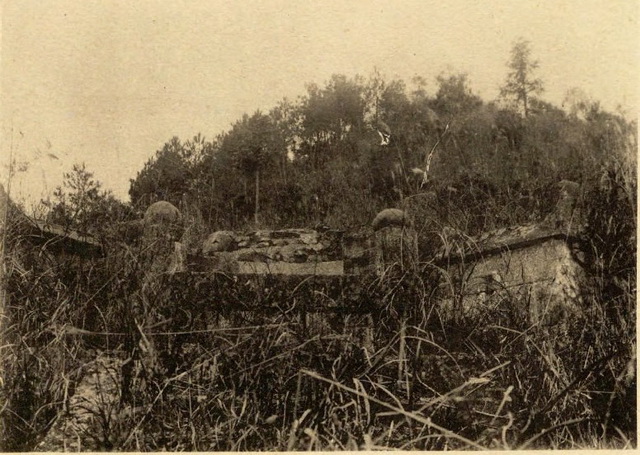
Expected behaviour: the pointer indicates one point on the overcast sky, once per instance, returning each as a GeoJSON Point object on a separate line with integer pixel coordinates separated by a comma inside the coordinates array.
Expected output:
{"type": "Point", "coordinates": [109, 82]}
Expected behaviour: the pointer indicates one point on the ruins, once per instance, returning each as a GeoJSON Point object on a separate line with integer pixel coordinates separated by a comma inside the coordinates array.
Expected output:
{"type": "Point", "coordinates": [538, 264]}
{"type": "Point", "coordinates": [535, 266]}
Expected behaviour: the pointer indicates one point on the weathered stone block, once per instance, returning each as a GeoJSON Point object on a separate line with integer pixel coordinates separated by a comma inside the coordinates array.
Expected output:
{"type": "Point", "coordinates": [536, 274]}
{"type": "Point", "coordinates": [162, 220]}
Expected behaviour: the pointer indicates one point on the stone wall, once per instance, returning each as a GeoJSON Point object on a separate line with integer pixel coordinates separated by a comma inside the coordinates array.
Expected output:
{"type": "Point", "coordinates": [532, 269]}
{"type": "Point", "coordinates": [539, 280]}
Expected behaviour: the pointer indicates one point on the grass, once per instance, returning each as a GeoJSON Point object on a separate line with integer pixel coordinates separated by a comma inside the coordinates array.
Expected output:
{"type": "Point", "coordinates": [213, 362]}
{"type": "Point", "coordinates": [285, 386]}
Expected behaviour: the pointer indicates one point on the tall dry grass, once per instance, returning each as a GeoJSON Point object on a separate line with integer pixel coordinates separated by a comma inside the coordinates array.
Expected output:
{"type": "Point", "coordinates": [213, 362]}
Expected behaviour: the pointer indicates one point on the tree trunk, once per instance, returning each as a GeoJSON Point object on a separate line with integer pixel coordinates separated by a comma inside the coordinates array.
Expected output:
{"type": "Point", "coordinates": [257, 211]}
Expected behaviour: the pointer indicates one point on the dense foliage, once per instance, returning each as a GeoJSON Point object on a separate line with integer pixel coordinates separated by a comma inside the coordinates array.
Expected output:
{"type": "Point", "coordinates": [319, 159]}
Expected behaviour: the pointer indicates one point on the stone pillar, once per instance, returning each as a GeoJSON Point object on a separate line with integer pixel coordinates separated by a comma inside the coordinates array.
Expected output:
{"type": "Point", "coordinates": [567, 215]}
{"type": "Point", "coordinates": [422, 210]}
{"type": "Point", "coordinates": [161, 253]}
{"type": "Point", "coordinates": [395, 241]}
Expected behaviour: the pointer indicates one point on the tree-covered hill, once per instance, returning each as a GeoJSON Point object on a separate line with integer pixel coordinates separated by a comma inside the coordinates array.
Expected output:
{"type": "Point", "coordinates": [323, 158]}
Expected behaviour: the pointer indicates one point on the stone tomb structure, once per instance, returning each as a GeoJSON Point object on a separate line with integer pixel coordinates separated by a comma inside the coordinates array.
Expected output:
{"type": "Point", "coordinates": [315, 277]}
{"type": "Point", "coordinates": [233, 279]}
{"type": "Point", "coordinates": [533, 270]}
{"type": "Point", "coordinates": [535, 267]}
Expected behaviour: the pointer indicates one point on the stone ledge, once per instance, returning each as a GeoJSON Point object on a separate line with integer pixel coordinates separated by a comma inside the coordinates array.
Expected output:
{"type": "Point", "coordinates": [330, 268]}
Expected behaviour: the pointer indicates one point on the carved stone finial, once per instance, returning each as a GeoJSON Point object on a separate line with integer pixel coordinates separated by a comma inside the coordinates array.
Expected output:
{"type": "Point", "coordinates": [163, 219]}
{"type": "Point", "coordinates": [390, 218]}
{"type": "Point", "coordinates": [162, 212]}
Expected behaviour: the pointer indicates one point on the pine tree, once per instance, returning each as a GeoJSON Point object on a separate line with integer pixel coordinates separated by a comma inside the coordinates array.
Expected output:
{"type": "Point", "coordinates": [521, 84]}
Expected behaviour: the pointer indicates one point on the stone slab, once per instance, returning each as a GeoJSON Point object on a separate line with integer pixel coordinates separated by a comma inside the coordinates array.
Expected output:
{"type": "Point", "coordinates": [330, 268]}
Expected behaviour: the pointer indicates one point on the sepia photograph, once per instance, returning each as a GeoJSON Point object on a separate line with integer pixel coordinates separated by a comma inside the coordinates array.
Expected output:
{"type": "Point", "coordinates": [318, 226]}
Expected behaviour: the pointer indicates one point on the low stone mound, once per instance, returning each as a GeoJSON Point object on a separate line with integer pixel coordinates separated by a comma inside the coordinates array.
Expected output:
{"type": "Point", "coordinates": [287, 245]}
